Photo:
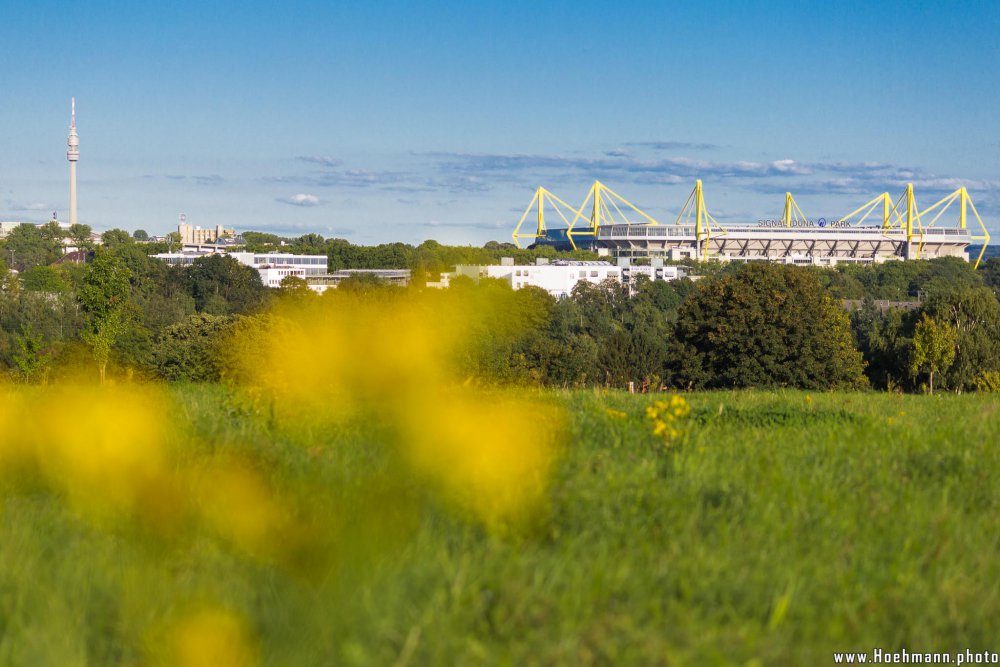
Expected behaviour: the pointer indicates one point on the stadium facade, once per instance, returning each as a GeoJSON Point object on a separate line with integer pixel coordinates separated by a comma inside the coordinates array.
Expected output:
{"type": "Point", "coordinates": [878, 231]}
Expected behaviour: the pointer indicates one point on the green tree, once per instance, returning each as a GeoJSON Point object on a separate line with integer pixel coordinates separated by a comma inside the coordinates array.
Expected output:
{"type": "Point", "coordinates": [222, 286]}
{"type": "Point", "coordinates": [764, 325]}
{"type": "Point", "coordinates": [933, 348]}
{"type": "Point", "coordinates": [51, 231]}
{"type": "Point", "coordinates": [140, 235]}
{"type": "Point", "coordinates": [945, 274]}
{"type": "Point", "coordinates": [310, 244]}
{"type": "Point", "coordinates": [190, 350]}
{"type": "Point", "coordinates": [115, 237]}
{"type": "Point", "coordinates": [31, 247]}
{"type": "Point", "coordinates": [30, 358]}
{"type": "Point", "coordinates": [45, 279]}
{"type": "Point", "coordinates": [104, 297]}
{"type": "Point", "coordinates": [9, 283]}
{"type": "Point", "coordinates": [561, 354]}
{"type": "Point", "coordinates": [989, 271]}
{"type": "Point", "coordinates": [884, 340]}
{"type": "Point", "coordinates": [296, 290]}
{"type": "Point", "coordinates": [975, 316]}
{"type": "Point", "coordinates": [80, 235]}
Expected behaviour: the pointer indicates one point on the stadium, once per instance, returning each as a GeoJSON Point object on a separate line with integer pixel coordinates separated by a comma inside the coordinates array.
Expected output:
{"type": "Point", "coordinates": [878, 231]}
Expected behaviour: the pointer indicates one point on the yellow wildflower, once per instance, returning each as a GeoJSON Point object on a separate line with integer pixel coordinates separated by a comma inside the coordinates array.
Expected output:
{"type": "Point", "coordinates": [213, 638]}
{"type": "Point", "coordinates": [669, 419]}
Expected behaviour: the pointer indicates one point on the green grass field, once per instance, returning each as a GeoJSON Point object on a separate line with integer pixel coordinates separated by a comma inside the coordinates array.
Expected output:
{"type": "Point", "coordinates": [786, 527]}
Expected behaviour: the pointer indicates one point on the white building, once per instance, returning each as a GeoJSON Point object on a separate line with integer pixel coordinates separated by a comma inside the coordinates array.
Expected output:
{"type": "Point", "coordinates": [311, 265]}
{"type": "Point", "coordinates": [6, 227]}
{"type": "Point", "coordinates": [558, 278]}
{"type": "Point", "coordinates": [320, 283]}
{"type": "Point", "coordinates": [272, 276]}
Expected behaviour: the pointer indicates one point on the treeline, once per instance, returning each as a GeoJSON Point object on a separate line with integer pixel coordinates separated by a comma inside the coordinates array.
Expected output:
{"type": "Point", "coordinates": [50, 329]}
{"type": "Point", "coordinates": [430, 256]}
{"type": "Point", "coordinates": [757, 325]}
{"type": "Point", "coordinates": [763, 325]}
{"type": "Point", "coordinates": [738, 326]}
{"type": "Point", "coordinates": [57, 321]}
{"type": "Point", "coordinates": [28, 247]}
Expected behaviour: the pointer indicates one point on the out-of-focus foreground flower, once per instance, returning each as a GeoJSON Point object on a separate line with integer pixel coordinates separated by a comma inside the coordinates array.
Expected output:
{"type": "Point", "coordinates": [398, 362]}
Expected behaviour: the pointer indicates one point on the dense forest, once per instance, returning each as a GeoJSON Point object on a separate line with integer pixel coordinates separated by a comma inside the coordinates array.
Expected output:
{"type": "Point", "coordinates": [918, 325]}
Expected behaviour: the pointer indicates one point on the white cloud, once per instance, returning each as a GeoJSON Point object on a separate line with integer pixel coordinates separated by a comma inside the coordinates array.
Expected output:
{"type": "Point", "coordinates": [790, 167]}
{"type": "Point", "coordinates": [300, 199]}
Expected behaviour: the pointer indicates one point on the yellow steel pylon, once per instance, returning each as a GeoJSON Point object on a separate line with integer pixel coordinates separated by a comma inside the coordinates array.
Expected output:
{"type": "Point", "coordinates": [792, 211]}
{"type": "Point", "coordinates": [541, 198]}
{"type": "Point", "coordinates": [695, 206]}
{"type": "Point", "coordinates": [960, 195]}
{"type": "Point", "coordinates": [602, 200]}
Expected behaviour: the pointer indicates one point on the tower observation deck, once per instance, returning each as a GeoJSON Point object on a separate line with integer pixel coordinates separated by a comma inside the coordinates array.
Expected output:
{"type": "Point", "coordinates": [878, 231]}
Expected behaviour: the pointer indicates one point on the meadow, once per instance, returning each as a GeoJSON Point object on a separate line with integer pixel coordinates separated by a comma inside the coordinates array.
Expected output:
{"type": "Point", "coordinates": [778, 527]}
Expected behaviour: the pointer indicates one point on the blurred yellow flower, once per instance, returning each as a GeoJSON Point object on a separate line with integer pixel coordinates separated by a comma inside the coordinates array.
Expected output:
{"type": "Point", "coordinates": [240, 507]}
{"type": "Point", "coordinates": [107, 452]}
{"type": "Point", "coordinates": [490, 454]}
{"type": "Point", "coordinates": [668, 419]}
{"type": "Point", "coordinates": [346, 357]}
{"type": "Point", "coordinates": [211, 638]}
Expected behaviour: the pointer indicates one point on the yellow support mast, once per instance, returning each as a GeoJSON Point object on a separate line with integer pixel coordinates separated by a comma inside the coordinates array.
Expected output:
{"type": "Point", "coordinates": [912, 214]}
{"type": "Point", "coordinates": [606, 209]}
{"type": "Point", "coordinates": [699, 208]}
{"type": "Point", "coordinates": [695, 206]}
{"type": "Point", "coordinates": [538, 202]}
{"type": "Point", "coordinates": [888, 211]}
{"type": "Point", "coordinates": [792, 211]}
{"type": "Point", "coordinates": [961, 195]}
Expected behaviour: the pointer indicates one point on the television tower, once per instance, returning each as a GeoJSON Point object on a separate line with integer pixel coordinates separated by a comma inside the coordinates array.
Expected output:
{"type": "Point", "coordinates": [72, 154]}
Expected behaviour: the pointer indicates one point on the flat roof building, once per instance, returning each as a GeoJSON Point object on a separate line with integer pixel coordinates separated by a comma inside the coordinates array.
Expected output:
{"type": "Point", "coordinates": [321, 283]}
{"type": "Point", "coordinates": [558, 278]}
{"type": "Point", "coordinates": [272, 276]}
{"type": "Point", "coordinates": [311, 265]}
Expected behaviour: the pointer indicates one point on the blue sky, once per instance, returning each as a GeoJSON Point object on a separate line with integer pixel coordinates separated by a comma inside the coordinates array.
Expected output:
{"type": "Point", "coordinates": [407, 121]}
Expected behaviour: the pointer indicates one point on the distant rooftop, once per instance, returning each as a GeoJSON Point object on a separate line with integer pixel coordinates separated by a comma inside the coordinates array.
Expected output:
{"type": "Point", "coordinates": [579, 262]}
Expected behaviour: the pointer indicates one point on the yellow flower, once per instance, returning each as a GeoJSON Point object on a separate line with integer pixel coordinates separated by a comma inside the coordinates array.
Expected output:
{"type": "Point", "coordinates": [668, 418]}
{"type": "Point", "coordinates": [237, 503]}
{"type": "Point", "coordinates": [488, 454]}
{"type": "Point", "coordinates": [213, 638]}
